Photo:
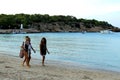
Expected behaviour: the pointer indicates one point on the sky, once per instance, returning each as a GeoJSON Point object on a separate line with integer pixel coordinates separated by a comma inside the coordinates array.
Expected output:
{"type": "Point", "coordinates": [102, 10]}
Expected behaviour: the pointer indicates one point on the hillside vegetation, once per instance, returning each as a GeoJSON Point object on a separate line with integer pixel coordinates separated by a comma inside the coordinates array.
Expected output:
{"type": "Point", "coordinates": [57, 23]}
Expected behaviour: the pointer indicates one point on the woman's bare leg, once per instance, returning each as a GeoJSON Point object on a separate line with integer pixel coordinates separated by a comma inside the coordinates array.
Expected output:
{"type": "Point", "coordinates": [29, 58]}
{"type": "Point", "coordinates": [24, 62]}
{"type": "Point", "coordinates": [43, 59]}
{"type": "Point", "coordinates": [26, 59]}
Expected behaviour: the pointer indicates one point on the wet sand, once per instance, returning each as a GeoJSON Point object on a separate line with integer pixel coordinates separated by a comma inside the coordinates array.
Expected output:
{"type": "Point", "coordinates": [11, 69]}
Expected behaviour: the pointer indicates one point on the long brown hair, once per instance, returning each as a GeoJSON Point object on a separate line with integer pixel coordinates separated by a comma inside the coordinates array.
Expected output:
{"type": "Point", "coordinates": [28, 38]}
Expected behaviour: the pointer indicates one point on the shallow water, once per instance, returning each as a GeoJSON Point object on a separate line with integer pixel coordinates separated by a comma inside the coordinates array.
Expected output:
{"type": "Point", "coordinates": [96, 50]}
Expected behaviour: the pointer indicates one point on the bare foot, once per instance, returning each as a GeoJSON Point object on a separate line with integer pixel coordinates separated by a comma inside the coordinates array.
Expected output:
{"type": "Point", "coordinates": [43, 65]}
{"type": "Point", "coordinates": [28, 66]}
{"type": "Point", "coordinates": [22, 64]}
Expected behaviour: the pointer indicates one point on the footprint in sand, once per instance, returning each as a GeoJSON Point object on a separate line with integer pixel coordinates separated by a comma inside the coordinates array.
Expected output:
{"type": "Point", "coordinates": [8, 67]}
{"type": "Point", "coordinates": [87, 78]}
{"type": "Point", "coordinates": [2, 62]}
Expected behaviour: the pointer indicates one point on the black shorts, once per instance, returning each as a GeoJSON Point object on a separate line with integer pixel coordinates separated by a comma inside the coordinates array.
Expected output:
{"type": "Point", "coordinates": [43, 53]}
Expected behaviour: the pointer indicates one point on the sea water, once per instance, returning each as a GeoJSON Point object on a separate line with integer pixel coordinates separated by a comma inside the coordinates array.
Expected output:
{"type": "Point", "coordinates": [96, 50]}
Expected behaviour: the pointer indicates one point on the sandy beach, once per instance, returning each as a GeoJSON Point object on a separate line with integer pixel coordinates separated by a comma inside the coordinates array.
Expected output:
{"type": "Point", "coordinates": [11, 69]}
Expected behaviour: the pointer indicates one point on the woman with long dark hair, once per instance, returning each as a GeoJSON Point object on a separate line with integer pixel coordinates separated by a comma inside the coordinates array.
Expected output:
{"type": "Point", "coordinates": [43, 49]}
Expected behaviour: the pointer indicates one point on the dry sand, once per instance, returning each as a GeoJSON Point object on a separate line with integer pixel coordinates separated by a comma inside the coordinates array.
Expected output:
{"type": "Point", "coordinates": [11, 69]}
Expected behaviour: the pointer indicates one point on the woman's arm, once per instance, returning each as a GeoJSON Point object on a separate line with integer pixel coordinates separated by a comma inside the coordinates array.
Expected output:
{"type": "Point", "coordinates": [33, 49]}
{"type": "Point", "coordinates": [22, 46]}
{"type": "Point", "coordinates": [47, 50]}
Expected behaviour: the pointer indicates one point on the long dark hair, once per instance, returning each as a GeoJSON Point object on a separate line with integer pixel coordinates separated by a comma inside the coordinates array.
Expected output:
{"type": "Point", "coordinates": [43, 40]}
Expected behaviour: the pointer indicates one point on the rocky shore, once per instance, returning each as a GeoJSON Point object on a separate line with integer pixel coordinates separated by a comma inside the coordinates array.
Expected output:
{"type": "Point", "coordinates": [59, 27]}
{"type": "Point", "coordinates": [10, 31]}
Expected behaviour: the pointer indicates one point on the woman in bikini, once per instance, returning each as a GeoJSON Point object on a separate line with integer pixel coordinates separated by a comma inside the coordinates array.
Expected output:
{"type": "Point", "coordinates": [27, 47]}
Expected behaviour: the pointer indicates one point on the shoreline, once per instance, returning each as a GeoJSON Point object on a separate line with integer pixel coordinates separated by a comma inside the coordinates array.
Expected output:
{"type": "Point", "coordinates": [11, 69]}
{"type": "Point", "coordinates": [67, 64]}
{"type": "Point", "coordinates": [26, 31]}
